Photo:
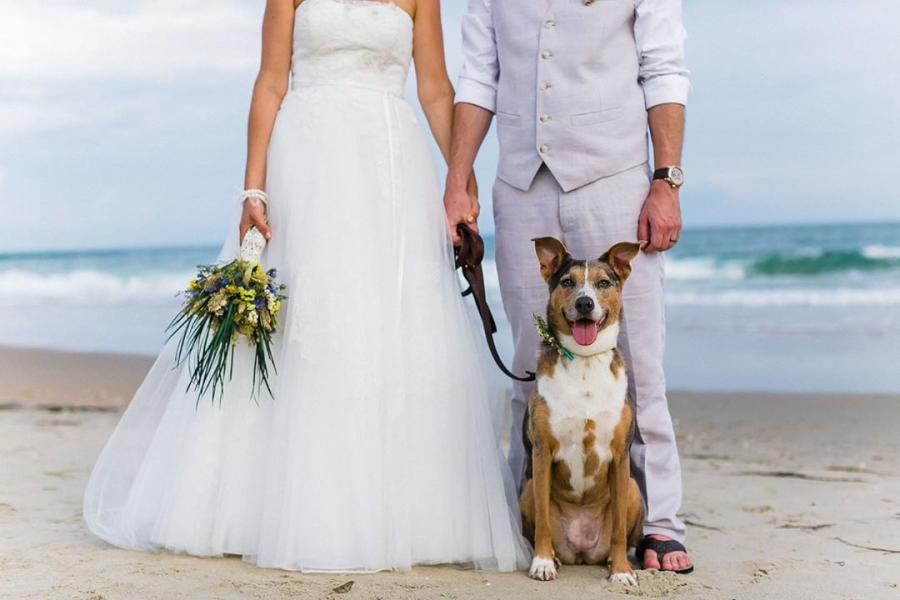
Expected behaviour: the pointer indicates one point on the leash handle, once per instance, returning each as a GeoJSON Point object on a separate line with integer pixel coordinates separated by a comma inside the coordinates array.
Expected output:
{"type": "Point", "coordinates": [469, 256]}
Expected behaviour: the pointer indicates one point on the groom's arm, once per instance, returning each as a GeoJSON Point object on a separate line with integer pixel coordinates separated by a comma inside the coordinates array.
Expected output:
{"type": "Point", "coordinates": [476, 100]}
{"type": "Point", "coordinates": [470, 125]}
{"type": "Point", "coordinates": [660, 223]}
{"type": "Point", "coordinates": [660, 35]}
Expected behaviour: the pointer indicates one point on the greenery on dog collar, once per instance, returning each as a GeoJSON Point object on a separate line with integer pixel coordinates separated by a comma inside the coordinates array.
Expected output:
{"type": "Point", "coordinates": [543, 330]}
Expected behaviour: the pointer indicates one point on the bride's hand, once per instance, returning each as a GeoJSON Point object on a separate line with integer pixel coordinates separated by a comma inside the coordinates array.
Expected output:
{"type": "Point", "coordinates": [475, 211]}
{"type": "Point", "coordinates": [461, 207]}
{"type": "Point", "coordinates": [254, 215]}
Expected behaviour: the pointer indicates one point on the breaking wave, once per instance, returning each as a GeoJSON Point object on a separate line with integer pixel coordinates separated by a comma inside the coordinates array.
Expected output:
{"type": "Point", "coordinates": [85, 286]}
{"type": "Point", "coordinates": [788, 297]}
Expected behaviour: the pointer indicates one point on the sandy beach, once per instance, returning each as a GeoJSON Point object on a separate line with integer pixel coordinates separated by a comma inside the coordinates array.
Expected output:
{"type": "Point", "coordinates": [787, 497]}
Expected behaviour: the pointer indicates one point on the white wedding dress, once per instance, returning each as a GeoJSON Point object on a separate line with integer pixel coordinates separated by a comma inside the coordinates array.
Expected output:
{"type": "Point", "coordinates": [380, 449]}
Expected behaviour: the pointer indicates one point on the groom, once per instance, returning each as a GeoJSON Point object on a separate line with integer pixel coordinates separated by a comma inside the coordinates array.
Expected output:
{"type": "Point", "coordinates": [575, 84]}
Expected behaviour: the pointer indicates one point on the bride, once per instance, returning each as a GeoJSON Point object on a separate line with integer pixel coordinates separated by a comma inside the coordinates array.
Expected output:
{"type": "Point", "coordinates": [379, 449]}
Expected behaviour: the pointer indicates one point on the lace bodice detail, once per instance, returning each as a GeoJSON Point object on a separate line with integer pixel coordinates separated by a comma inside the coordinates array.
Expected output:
{"type": "Point", "coordinates": [361, 43]}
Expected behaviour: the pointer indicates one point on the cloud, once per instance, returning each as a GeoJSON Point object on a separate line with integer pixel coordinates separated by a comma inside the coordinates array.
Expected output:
{"type": "Point", "coordinates": [791, 116]}
{"type": "Point", "coordinates": [23, 117]}
{"type": "Point", "coordinates": [66, 65]}
{"type": "Point", "coordinates": [167, 39]}
{"type": "Point", "coordinates": [123, 122]}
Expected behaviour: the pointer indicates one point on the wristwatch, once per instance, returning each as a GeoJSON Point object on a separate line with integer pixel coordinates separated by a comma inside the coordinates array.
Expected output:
{"type": "Point", "coordinates": [674, 176]}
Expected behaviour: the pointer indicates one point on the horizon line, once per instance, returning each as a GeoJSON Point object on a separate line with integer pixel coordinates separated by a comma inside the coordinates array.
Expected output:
{"type": "Point", "coordinates": [30, 253]}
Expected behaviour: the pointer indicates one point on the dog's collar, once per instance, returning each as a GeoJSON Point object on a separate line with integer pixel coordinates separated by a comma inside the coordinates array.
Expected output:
{"type": "Point", "coordinates": [544, 332]}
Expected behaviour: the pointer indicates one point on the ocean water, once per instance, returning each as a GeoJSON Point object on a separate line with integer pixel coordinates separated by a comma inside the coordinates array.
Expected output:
{"type": "Point", "coordinates": [797, 309]}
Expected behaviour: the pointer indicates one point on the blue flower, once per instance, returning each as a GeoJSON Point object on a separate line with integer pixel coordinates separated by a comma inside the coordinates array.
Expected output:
{"type": "Point", "coordinates": [259, 304]}
{"type": "Point", "coordinates": [272, 273]}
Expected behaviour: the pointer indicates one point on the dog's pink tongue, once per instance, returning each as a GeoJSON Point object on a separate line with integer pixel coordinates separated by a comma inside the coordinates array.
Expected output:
{"type": "Point", "coordinates": [584, 331]}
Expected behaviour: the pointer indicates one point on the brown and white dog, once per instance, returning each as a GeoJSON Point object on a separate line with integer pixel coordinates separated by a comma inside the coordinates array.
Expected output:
{"type": "Point", "coordinates": [581, 505]}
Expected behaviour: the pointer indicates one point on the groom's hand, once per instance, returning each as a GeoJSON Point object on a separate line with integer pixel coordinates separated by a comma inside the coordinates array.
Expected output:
{"type": "Point", "coordinates": [461, 206]}
{"type": "Point", "coordinates": [660, 222]}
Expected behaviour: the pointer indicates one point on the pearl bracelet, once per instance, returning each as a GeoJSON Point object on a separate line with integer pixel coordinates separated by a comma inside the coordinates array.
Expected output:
{"type": "Point", "coordinates": [257, 194]}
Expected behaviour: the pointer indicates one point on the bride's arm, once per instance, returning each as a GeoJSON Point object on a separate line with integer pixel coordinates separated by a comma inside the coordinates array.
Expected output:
{"type": "Point", "coordinates": [268, 92]}
{"type": "Point", "coordinates": [434, 88]}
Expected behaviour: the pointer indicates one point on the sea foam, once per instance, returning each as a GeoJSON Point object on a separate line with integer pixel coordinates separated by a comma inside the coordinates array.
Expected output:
{"type": "Point", "coordinates": [85, 286]}
{"type": "Point", "coordinates": [788, 297]}
{"type": "Point", "coordinates": [881, 252]}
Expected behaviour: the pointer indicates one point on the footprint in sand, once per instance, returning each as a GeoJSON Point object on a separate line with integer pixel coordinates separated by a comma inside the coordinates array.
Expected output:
{"type": "Point", "coordinates": [657, 584]}
{"type": "Point", "coordinates": [758, 509]}
{"type": "Point", "coordinates": [763, 571]}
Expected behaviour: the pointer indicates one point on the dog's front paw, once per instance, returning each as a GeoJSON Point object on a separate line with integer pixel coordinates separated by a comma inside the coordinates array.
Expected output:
{"type": "Point", "coordinates": [542, 569]}
{"type": "Point", "coordinates": [626, 578]}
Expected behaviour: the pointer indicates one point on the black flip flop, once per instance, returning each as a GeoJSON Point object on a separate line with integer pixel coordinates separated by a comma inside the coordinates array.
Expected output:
{"type": "Point", "coordinates": [661, 548]}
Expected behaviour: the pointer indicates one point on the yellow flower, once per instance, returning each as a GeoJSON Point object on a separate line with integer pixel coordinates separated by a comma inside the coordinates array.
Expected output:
{"type": "Point", "coordinates": [217, 303]}
{"type": "Point", "coordinates": [248, 273]}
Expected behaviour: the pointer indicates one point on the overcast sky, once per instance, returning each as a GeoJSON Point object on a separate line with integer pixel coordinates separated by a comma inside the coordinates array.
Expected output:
{"type": "Point", "coordinates": [123, 123]}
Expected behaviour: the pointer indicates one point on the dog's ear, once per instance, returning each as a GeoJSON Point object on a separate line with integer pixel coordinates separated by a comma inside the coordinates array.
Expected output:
{"type": "Point", "coordinates": [619, 257]}
{"type": "Point", "coordinates": [550, 253]}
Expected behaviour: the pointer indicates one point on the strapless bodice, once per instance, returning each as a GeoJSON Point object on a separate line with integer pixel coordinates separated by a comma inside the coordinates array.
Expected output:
{"type": "Point", "coordinates": [353, 43]}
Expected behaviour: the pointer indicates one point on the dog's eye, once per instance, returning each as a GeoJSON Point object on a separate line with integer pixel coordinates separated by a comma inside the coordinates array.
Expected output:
{"type": "Point", "coordinates": [567, 282]}
{"type": "Point", "coordinates": [604, 284]}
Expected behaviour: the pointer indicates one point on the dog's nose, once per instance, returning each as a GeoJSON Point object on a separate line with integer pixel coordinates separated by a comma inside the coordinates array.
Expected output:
{"type": "Point", "coordinates": [584, 305]}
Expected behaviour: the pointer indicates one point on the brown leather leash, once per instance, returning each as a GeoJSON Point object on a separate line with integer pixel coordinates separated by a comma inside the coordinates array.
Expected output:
{"type": "Point", "coordinates": [469, 256]}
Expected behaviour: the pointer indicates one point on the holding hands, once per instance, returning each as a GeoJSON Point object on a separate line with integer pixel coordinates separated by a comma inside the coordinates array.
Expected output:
{"type": "Point", "coordinates": [461, 206]}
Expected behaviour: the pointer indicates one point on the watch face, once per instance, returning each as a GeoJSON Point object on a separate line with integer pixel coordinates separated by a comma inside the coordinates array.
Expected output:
{"type": "Point", "coordinates": [676, 175]}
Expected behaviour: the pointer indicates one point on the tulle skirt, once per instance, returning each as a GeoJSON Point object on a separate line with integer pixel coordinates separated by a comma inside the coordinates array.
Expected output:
{"type": "Point", "coordinates": [380, 447]}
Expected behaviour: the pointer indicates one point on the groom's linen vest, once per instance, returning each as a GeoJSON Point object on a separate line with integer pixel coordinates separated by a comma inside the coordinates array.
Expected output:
{"type": "Point", "coordinates": [568, 92]}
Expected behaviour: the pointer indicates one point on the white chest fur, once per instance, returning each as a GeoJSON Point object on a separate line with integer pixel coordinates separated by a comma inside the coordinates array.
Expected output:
{"type": "Point", "coordinates": [580, 390]}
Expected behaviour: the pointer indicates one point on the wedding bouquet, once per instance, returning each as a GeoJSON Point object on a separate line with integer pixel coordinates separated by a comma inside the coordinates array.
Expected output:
{"type": "Point", "coordinates": [222, 304]}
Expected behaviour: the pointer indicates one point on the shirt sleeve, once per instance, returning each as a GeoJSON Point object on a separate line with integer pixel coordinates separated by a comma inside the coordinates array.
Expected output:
{"type": "Point", "coordinates": [660, 35]}
{"type": "Point", "coordinates": [480, 66]}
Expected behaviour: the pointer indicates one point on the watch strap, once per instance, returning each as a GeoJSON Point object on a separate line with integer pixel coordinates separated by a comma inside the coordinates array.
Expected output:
{"type": "Point", "coordinates": [661, 173]}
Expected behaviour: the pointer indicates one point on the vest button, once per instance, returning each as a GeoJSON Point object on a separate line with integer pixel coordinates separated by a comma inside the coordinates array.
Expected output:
{"type": "Point", "coordinates": [544, 118]}
{"type": "Point", "coordinates": [549, 23]}
{"type": "Point", "coordinates": [544, 149]}
{"type": "Point", "coordinates": [545, 86]}
{"type": "Point", "coordinates": [546, 54]}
